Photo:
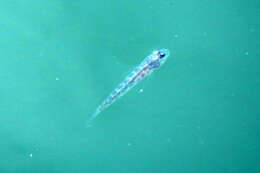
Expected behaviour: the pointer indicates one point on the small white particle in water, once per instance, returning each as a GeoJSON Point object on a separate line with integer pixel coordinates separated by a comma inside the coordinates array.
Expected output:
{"type": "Point", "coordinates": [201, 142]}
{"type": "Point", "coordinates": [179, 125]}
{"type": "Point", "coordinates": [129, 144]}
{"type": "Point", "coordinates": [169, 139]}
{"type": "Point", "coordinates": [141, 90]}
{"type": "Point", "coordinates": [246, 53]}
{"type": "Point", "coordinates": [89, 125]}
{"type": "Point", "coordinates": [57, 78]}
{"type": "Point", "coordinates": [175, 35]}
{"type": "Point", "coordinates": [30, 155]}
{"type": "Point", "coordinates": [252, 30]}
{"type": "Point", "coordinates": [41, 54]}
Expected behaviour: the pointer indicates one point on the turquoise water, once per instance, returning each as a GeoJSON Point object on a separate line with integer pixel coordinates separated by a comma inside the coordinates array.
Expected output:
{"type": "Point", "coordinates": [197, 113]}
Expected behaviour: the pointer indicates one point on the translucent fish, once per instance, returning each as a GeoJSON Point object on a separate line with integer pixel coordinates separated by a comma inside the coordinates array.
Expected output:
{"type": "Point", "coordinates": [147, 66]}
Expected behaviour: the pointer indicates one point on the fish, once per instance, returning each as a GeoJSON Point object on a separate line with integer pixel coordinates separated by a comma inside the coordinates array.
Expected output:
{"type": "Point", "coordinates": [153, 61]}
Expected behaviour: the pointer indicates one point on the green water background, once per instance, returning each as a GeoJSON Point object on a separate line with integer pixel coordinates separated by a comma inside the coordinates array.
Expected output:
{"type": "Point", "coordinates": [198, 113]}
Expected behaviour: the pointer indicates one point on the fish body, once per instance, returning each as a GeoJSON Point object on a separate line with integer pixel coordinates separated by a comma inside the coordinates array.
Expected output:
{"type": "Point", "coordinates": [146, 67]}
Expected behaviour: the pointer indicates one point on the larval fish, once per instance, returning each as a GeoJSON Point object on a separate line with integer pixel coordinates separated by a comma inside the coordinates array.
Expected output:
{"type": "Point", "coordinates": [147, 66]}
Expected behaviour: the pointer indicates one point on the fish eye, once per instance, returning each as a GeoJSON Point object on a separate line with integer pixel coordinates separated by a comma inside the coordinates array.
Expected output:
{"type": "Point", "coordinates": [161, 55]}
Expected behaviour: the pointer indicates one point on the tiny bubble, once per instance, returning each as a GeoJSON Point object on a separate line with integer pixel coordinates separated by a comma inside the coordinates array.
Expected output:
{"type": "Point", "coordinates": [30, 155]}
{"type": "Point", "coordinates": [57, 78]}
{"type": "Point", "coordinates": [246, 53]}
{"type": "Point", "coordinates": [141, 90]}
{"type": "Point", "coordinates": [129, 144]}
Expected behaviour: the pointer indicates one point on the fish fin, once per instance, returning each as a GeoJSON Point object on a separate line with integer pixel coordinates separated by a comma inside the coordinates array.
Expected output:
{"type": "Point", "coordinates": [93, 116]}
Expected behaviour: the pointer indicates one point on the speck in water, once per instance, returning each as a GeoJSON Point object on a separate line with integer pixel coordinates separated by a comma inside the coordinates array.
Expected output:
{"type": "Point", "coordinates": [175, 35]}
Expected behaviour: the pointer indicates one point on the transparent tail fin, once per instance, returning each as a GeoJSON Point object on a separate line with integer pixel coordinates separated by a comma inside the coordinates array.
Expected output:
{"type": "Point", "coordinates": [93, 116]}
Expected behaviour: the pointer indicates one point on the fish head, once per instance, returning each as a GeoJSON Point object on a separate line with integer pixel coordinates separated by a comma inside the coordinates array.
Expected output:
{"type": "Point", "coordinates": [163, 54]}
{"type": "Point", "coordinates": [159, 57]}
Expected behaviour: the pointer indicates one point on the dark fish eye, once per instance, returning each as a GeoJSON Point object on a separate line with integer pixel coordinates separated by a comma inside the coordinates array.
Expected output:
{"type": "Point", "coordinates": [162, 55]}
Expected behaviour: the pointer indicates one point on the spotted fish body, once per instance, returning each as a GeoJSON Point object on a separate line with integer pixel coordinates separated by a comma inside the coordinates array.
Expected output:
{"type": "Point", "coordinates": [147, 66]}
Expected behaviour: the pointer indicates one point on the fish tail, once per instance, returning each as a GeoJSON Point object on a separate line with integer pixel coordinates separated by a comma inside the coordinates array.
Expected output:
{"type": "Point", "coordinates": [94, 115]}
